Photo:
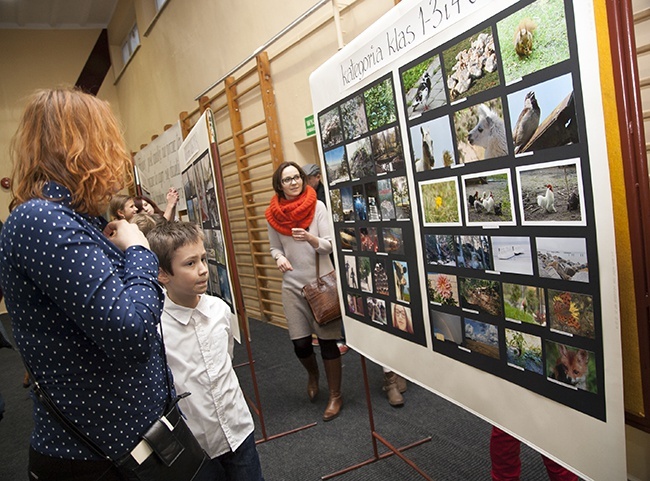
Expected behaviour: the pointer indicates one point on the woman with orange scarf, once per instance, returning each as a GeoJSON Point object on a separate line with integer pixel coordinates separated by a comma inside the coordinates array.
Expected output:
{"type": "Point", "coordinates": [299, 228]}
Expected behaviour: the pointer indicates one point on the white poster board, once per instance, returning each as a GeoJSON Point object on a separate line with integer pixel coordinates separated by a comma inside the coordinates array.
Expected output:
{"type": "Point", "coordinates": [200, 190]}
{"type": "Point", "coordinates": [481, 267]}
{"type": "Point", "coordinates": [158, 169]}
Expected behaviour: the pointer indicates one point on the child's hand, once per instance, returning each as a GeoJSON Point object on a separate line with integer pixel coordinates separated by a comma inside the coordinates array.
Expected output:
{"type": "Point", "coordinates": [172, 196]}
{"type": "Point", "coordinates": [124, 235]}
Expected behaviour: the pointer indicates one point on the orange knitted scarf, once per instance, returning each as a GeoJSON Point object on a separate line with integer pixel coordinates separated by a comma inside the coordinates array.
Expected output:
{"type": "Point", "coordinates": [283, 214]}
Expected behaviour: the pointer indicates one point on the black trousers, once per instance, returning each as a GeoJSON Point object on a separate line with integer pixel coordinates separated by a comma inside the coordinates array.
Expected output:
{"type": "Point", "coordinates": [47, 468]}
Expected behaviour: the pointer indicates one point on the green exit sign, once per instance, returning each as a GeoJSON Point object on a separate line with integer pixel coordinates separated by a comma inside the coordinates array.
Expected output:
{"type": "Point", "coordinates": [310, 127]}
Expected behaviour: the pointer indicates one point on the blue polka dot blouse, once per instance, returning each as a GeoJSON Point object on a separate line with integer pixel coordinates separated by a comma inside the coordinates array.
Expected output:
{"type": "Point", "coordinates": [85, 316]}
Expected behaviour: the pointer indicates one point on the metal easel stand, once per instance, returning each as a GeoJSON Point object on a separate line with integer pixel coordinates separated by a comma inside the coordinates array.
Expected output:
{"type": "Point", "coordinates": [240, 308]}
{"type": "Point", "coordinates": [377, 437]}
{"type": "Point", "coordinates": [256, 405]}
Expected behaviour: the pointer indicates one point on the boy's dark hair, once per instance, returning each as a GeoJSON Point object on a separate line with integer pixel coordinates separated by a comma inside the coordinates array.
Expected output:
{"type": "Point", "coordinates": [168, 237]}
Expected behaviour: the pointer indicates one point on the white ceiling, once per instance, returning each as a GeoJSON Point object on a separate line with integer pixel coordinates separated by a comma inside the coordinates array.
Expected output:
{"type": "Point", "coordinates": [56, 14]}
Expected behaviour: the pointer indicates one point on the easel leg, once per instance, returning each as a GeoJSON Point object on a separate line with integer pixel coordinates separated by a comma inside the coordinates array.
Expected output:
{"type": "Point", "coordinates": [377, 437]}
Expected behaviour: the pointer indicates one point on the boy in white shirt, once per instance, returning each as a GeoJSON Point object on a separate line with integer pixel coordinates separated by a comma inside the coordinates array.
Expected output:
{"type": "Point", "coordinates": [199, 345]}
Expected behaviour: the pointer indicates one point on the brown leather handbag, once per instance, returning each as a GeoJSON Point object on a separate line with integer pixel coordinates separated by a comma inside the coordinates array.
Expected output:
{"type": "Point", "coordinates": [323, 297]}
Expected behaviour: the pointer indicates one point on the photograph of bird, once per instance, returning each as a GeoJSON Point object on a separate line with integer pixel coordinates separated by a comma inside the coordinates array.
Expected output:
{"type": "Point", "coordinates": [547, 201]}
{"type": "Point", "coordinates": [527, 122]}
{"type": "Point", "coordinates": [524, 37]}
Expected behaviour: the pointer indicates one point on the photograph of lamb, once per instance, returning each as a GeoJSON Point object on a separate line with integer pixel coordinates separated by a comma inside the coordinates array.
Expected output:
{"type": "Point", "coordinates": [481, 132]}
{"type": "Point", "coordinates": [331, 132]}
{"type": "Point", "coordinates": [481, 296]}
{"type": "Point", "coordinates": [447, 327]}
{"type": "Point", "coordinates": [348, 239]}
{"type": "Point", "coordinates": [571, 312]}
{"type": "Point", "coordinates": [471, 65]}
{"type": "Point", "coordinates": [512, 254]}
{"type": "Point", "coordinates": [474, 252]}
{"type": "Point", "coordinates": [423, 87]}
{"type": "Point", "coordinates": [440, 249]}
{"type": "Point", "coordinates": [360, 158]}
{"type": "Point", "coordinates": [432, 144]}
{"type": "Point", "coordinates": [524, 351]}
{"type": "Point", "coordinates": [443, 289]}
{"type": "Point", "coordinates": [488, 199]}
{"type": "Point", "coordinates": [533, 38]}
{"type": "Point", "coordinates": [440, 202]}
{"type": "Point", "coordinates": [571, 366]}
{"type": "Point", "coordinates": [387, 150]}
{"type": "Point", "coordinates": [551, 193]}
{"type": "Point", "coordinates": [543, 115]}
{"type": "Point", "coordinates": [336, 166]}
{"type": "Point", "coordinates": [524, 304]}
{"type": "Point", "coordinates": [563, 258]}
{"type": "Point", "coordinates": [353, 118]}
{"type": "Point", "coordinates": [481, 338]}
{"type": "Point", "coordinates": [380, 104]}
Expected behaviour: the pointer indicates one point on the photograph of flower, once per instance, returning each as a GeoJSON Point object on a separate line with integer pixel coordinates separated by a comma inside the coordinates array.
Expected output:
{"type": "Point", "coordinates": [440, 202]}
{"type": "Point", "coordinates": [571, 312]}
{"type": "Point", "coordinates": [443, 289]}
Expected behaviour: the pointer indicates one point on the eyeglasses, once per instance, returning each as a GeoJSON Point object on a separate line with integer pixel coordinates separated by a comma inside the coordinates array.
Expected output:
{"type": "Point", "coordinates": [289, 180]}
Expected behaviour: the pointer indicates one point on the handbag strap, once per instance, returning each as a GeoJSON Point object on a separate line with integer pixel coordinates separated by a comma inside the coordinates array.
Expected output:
{"type": "Point", "coordinates": [317, 266]}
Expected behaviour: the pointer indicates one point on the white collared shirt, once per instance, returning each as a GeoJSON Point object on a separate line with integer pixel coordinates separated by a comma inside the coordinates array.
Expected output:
{"type": "Point", "coordinates": [199, 346]}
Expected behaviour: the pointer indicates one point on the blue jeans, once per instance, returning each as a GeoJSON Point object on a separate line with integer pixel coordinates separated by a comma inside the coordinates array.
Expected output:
{"type": "Point", "coordinates": [241, 465]}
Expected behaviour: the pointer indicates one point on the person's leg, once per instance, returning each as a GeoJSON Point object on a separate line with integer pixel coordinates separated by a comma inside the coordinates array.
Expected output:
{"type": "Point", "coordinates": [504, 453]}
{"type": "Point", "coordinates": [332, 360]}
{"type": "Point", "coordinates": [244, 463]}
{"type": "Point", "coordinates": [557, 472]}
{"type": "Point", "coordinates": [391, 389]}
{"type": "Point", "coordinates": [305, 353]}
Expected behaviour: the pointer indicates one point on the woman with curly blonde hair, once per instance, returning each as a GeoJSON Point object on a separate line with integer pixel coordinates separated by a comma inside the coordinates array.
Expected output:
{"type": "Point", "coordinates": [82, 293]}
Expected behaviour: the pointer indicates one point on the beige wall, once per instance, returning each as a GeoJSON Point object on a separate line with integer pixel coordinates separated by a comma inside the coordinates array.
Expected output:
{"type": "Point", "coordinates": [33, 59]}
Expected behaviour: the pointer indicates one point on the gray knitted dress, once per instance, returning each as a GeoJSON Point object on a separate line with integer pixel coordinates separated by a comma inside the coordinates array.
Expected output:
{"type": "Point", "coordinates": [301, 254]}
